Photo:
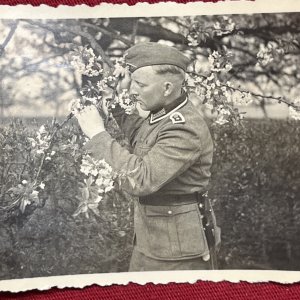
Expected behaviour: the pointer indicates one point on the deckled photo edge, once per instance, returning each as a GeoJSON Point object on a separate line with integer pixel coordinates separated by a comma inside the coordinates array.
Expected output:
{"type": "Point", "coordinates": [153, 10]}
{"type": "Point", "coordinates": [146, 9]}
{"type": "Point", "coordinates": [157, 277]}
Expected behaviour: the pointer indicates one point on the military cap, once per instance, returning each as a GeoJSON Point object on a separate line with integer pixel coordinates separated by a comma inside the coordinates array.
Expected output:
{"type": "Point", "coordinates": [151, 54]}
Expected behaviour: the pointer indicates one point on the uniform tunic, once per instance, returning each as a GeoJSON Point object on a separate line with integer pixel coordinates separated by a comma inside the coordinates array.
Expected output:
{"type": "Point", "coordinates": [171, 157]}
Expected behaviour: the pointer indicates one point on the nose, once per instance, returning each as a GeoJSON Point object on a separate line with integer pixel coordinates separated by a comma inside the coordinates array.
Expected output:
{"type": "Point", "coordinates": [133, 88]}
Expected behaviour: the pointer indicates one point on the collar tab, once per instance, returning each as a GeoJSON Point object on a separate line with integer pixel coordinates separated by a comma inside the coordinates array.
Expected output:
{"type": "Point", "coordinates": [163, 113]}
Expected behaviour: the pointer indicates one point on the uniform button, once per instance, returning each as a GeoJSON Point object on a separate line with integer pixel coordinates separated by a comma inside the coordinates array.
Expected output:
{"type": "Point", "coordinates": [170, 212]}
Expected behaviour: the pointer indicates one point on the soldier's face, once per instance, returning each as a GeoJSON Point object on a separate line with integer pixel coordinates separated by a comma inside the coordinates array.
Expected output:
{"type": "Point", "coordinates": [148, 88]}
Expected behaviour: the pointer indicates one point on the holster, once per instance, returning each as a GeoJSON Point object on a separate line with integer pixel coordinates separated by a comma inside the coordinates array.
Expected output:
{"type": "Point", "coordinates": [212, 231]}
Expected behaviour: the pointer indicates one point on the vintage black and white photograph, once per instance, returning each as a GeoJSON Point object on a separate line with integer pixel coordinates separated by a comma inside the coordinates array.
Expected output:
{"type": "Point", "coordinates": [136, 144]}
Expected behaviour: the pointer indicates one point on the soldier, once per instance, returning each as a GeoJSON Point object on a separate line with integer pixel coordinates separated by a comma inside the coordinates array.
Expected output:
{"type": "Point", "coordinates": [169, 165]}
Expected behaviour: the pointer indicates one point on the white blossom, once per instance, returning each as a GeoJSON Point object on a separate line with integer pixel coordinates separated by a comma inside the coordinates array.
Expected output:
{"type": "Point", "coordinates": [209, 106]}
{"type": "Point", "coordinates": [101, 171]}
{"type": "Point", "coordinates": [221, 120]}
{"type": "Point", "coordinates": [226, 26]}
{"type": "Point", "coordinates": [217, 25]}
{"type": "Point", "coordinates": [42, 129]}
{"type": "Point", "coordinates": [126, 102]}
{"type": "Point", "coordinates": [41, 142]}
{"type": "Point", "coordinates": [85, 62]}
{"type": "Point", "coordinates": [33, 143]}
{"type": "Point", "coordinates": [223, 114]}
{"type": "Point", "coordinates": [109, 187]}
{"type": "Point", "coordinates": [75, 106]}
{"type": "Point", "coordinates": [98, 199]}
{"type": "Point", "coordinates": [192, 40]}
{"type": "Point", "coordinates": [35, 193]}
{"type": "Point", "coordinates": [219, 63]}
{"type": "Point", "coordinates": [39, 151]}
{"type": "Point", "coordinates": [294, 113]}
{"type": "Point", "coordinates": [267, 53]}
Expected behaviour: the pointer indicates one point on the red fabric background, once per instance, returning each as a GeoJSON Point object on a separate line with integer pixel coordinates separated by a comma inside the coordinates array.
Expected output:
{"type": "Point", "coordinates": [90, 2]}
{"type": "Point", "coordinates": [199, 290]}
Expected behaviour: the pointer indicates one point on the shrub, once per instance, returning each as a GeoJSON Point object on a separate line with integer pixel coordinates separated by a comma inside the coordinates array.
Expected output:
{"type": "Point", "coordinates": [256, 176]}
{"type": "Point", "coordinates": [43, 237]}
{"type": "Point", "coordinates": [255, 189]}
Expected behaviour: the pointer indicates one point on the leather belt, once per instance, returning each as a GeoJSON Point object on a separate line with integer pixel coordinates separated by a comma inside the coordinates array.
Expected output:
{"type": "Point", "coordinates": [168, 200]}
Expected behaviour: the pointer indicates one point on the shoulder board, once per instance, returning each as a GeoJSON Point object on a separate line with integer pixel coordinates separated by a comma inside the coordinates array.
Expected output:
{"type": "Point", "coordinates": [177, 118]}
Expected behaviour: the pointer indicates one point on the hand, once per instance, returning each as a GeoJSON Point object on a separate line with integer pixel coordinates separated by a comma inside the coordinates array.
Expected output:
{"type": "Point", "coordinates": [90, 121]}
{"type": "Point", "coordinates": [124, 78]}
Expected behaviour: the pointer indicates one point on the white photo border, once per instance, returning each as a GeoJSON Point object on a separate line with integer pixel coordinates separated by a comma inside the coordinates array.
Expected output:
{"type": "Point", "coordinates": [144, 10]}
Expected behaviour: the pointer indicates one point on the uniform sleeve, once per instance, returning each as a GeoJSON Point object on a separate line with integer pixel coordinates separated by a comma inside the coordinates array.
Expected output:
{"type": "Point", "coordinates": [129, 124]}
{"type": "Point", "coordinates": [175, 150]}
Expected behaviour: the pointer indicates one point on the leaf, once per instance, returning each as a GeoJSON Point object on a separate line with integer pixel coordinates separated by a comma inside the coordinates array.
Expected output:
{"type": "Point", "coordinates": [93, 192]}
{"type": "Point", "coordinates": [132, 182]}
{"type": "Point", "coordinates": [203, 36]}
{"type": "Point", "coordinates": [82, 208]}
{"type": "Point", "coordinates": [34, 198]}
{"type": "Point", "coordinates": [8, 147]}
{"type": "Point", "coordinates": [133, 171]}
{"type": "Point", "coordinates": [89, 181]}
{"type": "Point", "coordinates": [63, 147]}
{"type": "Point", "coordinates": [74, 139]}
{"type": "Point", "coordinates": [17, 190]}
{"type": "Point", "coordinates": [85, 194]}
{"type": "Point", "coordinates": [94, 209]}
{"type": "Point", "coordinates": [122, 233]}
{"type": "Point", "coordinates": [23, 204]}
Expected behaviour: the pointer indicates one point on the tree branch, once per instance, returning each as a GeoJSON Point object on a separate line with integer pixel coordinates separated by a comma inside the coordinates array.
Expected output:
{"type": "Point", "coordinates": [9, 37]}
{"type": "Point", "coordinates": [154, 32]}
{"type": "Point", "coordinates": [134, 31]}
{"type": "Point", "coordinates": [263, 31]}
{"type": "Point", "coordinates": [176, 21]}
{"type": "Point", "coordinates": [278, 99]}
{"type": "Point", "coordinates": [28, 68]}
{"type": "Point", "coordinates": [109, 33]}
{"type": "Point", "coordinates": [76, 31]}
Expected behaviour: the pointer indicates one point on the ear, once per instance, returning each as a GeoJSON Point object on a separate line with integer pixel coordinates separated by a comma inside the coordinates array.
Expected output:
{"type": "Point", "coordinates": [168, 88]}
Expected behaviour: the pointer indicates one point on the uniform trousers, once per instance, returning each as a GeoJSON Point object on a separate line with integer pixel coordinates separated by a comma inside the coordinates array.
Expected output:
{"type": "Point", "coordinates": [140, 262]}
